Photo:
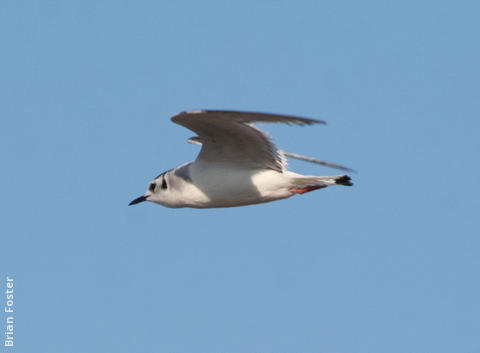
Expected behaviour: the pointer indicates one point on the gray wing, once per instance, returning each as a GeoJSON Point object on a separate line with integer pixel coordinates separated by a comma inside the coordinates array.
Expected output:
{"type": "Point", "coordinates": [228, 136]}
{"type": "Point", "coordinates": [316, 161]}
{"type": "Point", "coordinates": [196, 141]}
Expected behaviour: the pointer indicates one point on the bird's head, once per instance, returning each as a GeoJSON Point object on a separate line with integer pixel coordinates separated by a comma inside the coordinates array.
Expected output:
{"type": "Point", "coordinates": [159, 191]}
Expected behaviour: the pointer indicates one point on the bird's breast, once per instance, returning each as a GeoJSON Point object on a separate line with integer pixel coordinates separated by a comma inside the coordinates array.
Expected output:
{"type": "Point", "coordinates": [219, 185]}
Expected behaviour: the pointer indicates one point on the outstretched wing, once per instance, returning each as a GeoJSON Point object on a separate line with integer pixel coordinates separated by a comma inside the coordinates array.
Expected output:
{"type": "Point", "coordinates": [229, 137]}
{"type": "Point", "coordinates": [316, 161]}
{"type": "Point", "coordinates": [195, 140]}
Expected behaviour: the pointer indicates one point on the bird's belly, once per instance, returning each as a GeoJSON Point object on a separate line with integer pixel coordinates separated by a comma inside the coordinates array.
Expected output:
{"type": "Point", "coordinates": [228, 187]}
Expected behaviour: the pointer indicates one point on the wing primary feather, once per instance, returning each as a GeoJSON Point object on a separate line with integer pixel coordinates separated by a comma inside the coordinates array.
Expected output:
{"type": "Point", "coordinates": [316, 161]}
{"type": "Point", "coordinates": [248, 117]}
{"type": "Point", "coordinates": [195, 140]}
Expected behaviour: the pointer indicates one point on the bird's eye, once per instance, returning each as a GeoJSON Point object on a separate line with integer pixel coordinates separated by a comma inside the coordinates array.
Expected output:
{"type": "Point", "coordinates": [164, 184]}
{"type": "Point", "coordinates": [152, 187]}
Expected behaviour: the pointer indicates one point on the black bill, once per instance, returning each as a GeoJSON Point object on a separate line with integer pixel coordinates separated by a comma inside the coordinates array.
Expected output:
{"type": "Point", "coordinates": [138, 200]}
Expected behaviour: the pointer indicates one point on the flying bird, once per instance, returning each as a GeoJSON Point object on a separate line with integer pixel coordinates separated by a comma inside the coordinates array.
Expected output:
{"type": "Point", "coordinates": [237, 165]}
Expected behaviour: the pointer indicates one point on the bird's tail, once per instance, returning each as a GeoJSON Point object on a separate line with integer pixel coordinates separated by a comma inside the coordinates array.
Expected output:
{"type": "Point", "coordinates": [305, 183]}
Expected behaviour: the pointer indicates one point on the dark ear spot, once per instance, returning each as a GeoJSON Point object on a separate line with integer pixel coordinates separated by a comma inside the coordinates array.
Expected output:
{"type": "Point", "coordinates": [164, 183]}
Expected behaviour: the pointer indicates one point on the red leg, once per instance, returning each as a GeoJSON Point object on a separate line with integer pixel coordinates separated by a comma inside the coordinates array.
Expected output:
{"type": "Point", "coordinates": [305, 189]}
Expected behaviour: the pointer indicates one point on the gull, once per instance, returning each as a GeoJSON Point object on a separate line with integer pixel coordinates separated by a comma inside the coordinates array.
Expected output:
{"type": "Point", "coordinates": [237, 165]}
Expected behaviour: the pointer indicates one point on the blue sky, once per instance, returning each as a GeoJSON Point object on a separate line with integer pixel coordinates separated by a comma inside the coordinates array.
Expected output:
{"type": "Point", "coordinates": [390, 265]}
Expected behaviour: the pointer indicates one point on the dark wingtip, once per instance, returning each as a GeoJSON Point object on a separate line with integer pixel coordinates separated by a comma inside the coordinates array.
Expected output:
{"type": "Point", "coordinates": [344, 180]}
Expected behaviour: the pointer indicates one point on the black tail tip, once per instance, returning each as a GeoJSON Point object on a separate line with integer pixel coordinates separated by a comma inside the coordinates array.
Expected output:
{"type": "Point", "coordinates": [344, 180]}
